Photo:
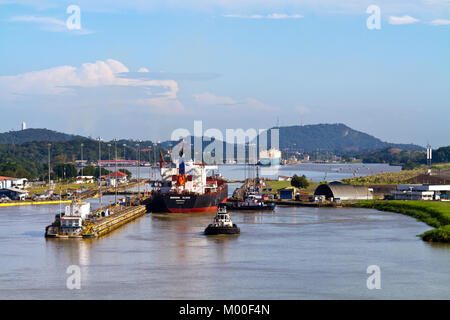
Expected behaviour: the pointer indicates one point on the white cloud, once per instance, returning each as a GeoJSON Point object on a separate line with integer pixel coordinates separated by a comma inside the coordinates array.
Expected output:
{"type": "Point", "coordinates": [302, 110]}
{"type": "Point", "coordinates": [207, 98]}
{"type": "Point", "coordinates": [42, 20]}
{"type": "Point", "coordinates": [162, 105]}
{"type": "Point", "coordinates": [268, 16]}
{"type": "Point", "coordinates": [49, 24]}
{"type": "Point", "coordinates": [65, 80]}
{"type": "Point", "coordinates": [440, 22]}
{"type": "Point", "coordinates": [143, 70]}
{"type": "Point", "coordinates": [402, 20]}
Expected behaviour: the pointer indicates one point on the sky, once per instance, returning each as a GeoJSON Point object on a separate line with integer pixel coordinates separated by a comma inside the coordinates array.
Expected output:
{"type": "Point", "coordinates": [141, 69]}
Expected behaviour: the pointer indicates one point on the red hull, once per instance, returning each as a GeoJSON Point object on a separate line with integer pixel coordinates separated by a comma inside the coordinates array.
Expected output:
{"type": "Point", "coordinates": [193, 210]}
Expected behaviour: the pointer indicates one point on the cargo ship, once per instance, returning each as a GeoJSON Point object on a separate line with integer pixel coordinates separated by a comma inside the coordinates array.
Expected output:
{"type": "Point", "coordinates": [187, 188]}
{"type": "Point", "coordinates": [270, 157]}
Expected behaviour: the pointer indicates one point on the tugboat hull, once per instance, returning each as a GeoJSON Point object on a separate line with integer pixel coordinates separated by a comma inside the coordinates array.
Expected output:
{"type": "Point", "coordinates": [214, 230]}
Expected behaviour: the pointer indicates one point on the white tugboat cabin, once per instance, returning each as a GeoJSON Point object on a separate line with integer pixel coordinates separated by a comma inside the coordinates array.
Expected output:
{"type": "Point", "coordinates": [222, 218]}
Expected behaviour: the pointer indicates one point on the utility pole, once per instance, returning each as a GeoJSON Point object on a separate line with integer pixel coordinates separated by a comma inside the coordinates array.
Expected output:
{"type": "Point", "coordinates": [115, 179]}
{"type": "Point", "coordinates": [154, 154]}
{"type": "Point", "coordinates": [139, 164]}
{"type": "Point", "coordinates": [49, 145]}
{"type": "Point", "coordinates": [429, 157]}
{"type": "Point", "coordinates": [100, 170]}
{"type": "Point", "coordinates": [109, 152]}
{"type": "Point", "coordinates": [149, 164]}
{"type": "Point", "coordinates": [82, 159]}
{"type": "Point", "coordinates": [124, 157]}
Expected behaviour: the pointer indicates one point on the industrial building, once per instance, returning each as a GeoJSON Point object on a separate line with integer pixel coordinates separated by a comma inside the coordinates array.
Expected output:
{"type": "Point", "coordinates": [14, 193]}
{"type": "Point", "coordinates": [421, 192]}
{"type": "Point", "coordinates": [287, 193]}
{"type": "Point", "coordinates": [344, 192]}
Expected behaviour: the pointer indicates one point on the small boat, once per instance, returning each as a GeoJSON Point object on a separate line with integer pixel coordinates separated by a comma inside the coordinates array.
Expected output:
{"type": "Point", "coordinates": [222, 223]}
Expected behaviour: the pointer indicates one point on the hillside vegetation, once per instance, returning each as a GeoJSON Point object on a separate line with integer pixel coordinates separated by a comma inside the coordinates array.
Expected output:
{"type": "Point", "coordinates": [28, 135]}
{"type": "Point", "coordinates": [337, 138]}
{"type": "Point", "coordinates": [408, 159]}
{"type": "Point", "coordinates": [30, 159]}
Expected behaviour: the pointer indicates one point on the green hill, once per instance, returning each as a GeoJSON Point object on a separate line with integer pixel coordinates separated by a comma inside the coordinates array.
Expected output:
{"type": "Point", "coordinates": [337, 138]}
{"type": "Point", "coordinates": [28, 135]}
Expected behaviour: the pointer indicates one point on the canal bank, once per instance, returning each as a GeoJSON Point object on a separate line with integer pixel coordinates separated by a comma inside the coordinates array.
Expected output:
{"type": "Point", "coordinates": [434, 214]}
{"type": "Point", "coordinates": [32, 203]}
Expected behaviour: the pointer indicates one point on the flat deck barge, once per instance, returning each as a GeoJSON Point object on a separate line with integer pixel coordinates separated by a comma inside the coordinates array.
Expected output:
{"type": "Point", "coordinates": [77, 222]}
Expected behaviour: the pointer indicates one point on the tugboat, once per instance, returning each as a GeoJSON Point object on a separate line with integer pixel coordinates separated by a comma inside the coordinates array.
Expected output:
{"type": "Point", "coordinates": [222, 223]}
{"type": "Point", "coordinates": [251, 203]}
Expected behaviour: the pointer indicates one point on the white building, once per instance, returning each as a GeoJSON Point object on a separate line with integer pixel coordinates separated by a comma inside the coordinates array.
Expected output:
{"type": "Point", "coordinates": [112, 177]}
{"type": "Point", "coordinates": [20, 183]}
{"type": "Point", "coordinates": [422, 192]}
{"type": "Point", "coordinates": [84, 179]}
{"type": "Point", "coordinates": [6, 182]}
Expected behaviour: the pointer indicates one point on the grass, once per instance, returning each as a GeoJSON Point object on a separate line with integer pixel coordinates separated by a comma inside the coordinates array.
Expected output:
{"type": "Point", "coordinates": [63, 186]}
{"type": "Point", "coordinates": [441, 166]}
{"type": "Point", "coordinates": [277, 185]}
{"type": "Point", "coordinates": [434, 214]}
{"type": "Point", "coordinates": [399, 177]}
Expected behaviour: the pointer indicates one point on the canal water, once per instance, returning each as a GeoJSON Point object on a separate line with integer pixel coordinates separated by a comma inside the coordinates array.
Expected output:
{"type": "Point", "coordinates": [292, 253]}
{"type": "Point", "coordinates": [315, 171]}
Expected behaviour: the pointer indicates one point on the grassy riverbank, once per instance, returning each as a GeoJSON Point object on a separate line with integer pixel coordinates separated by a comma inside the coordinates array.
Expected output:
{"type": "Point", "coordinates": [277, 185]}
{"type": "Point", "coordinates": [434, 214]}
{"type": "Point", "coordinates": [385, 178]}
{"type": "Point", "coordinates": [61, 187]}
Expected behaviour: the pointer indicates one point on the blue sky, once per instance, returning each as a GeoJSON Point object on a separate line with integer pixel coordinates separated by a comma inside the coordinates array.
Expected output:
{"type": "Point", "coordinates": [232, 64]}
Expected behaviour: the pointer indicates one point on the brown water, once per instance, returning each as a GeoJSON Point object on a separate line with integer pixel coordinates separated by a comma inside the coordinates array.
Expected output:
{"type": "Point", "coordinates": [293, 253]}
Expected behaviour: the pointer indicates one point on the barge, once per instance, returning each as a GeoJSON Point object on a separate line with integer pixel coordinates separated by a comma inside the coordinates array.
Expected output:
{"type": "Point", "coordinates": [77, 221]}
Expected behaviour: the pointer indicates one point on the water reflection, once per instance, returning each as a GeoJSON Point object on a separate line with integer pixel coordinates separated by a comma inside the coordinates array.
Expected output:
{"type": "Point", "coordinates": [73, 251]}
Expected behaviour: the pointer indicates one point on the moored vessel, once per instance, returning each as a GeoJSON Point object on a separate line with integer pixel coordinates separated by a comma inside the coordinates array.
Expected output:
{"type": "Point", "coordinates": [187, 188]}
{"type": "Point", "coordinates": [251, 203]}
{"type": "Point", "coordinates": [270, 157]}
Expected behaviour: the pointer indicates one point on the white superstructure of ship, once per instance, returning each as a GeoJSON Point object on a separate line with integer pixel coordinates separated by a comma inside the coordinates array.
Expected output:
{"type": "Point", "coordinates": [271, 157]}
